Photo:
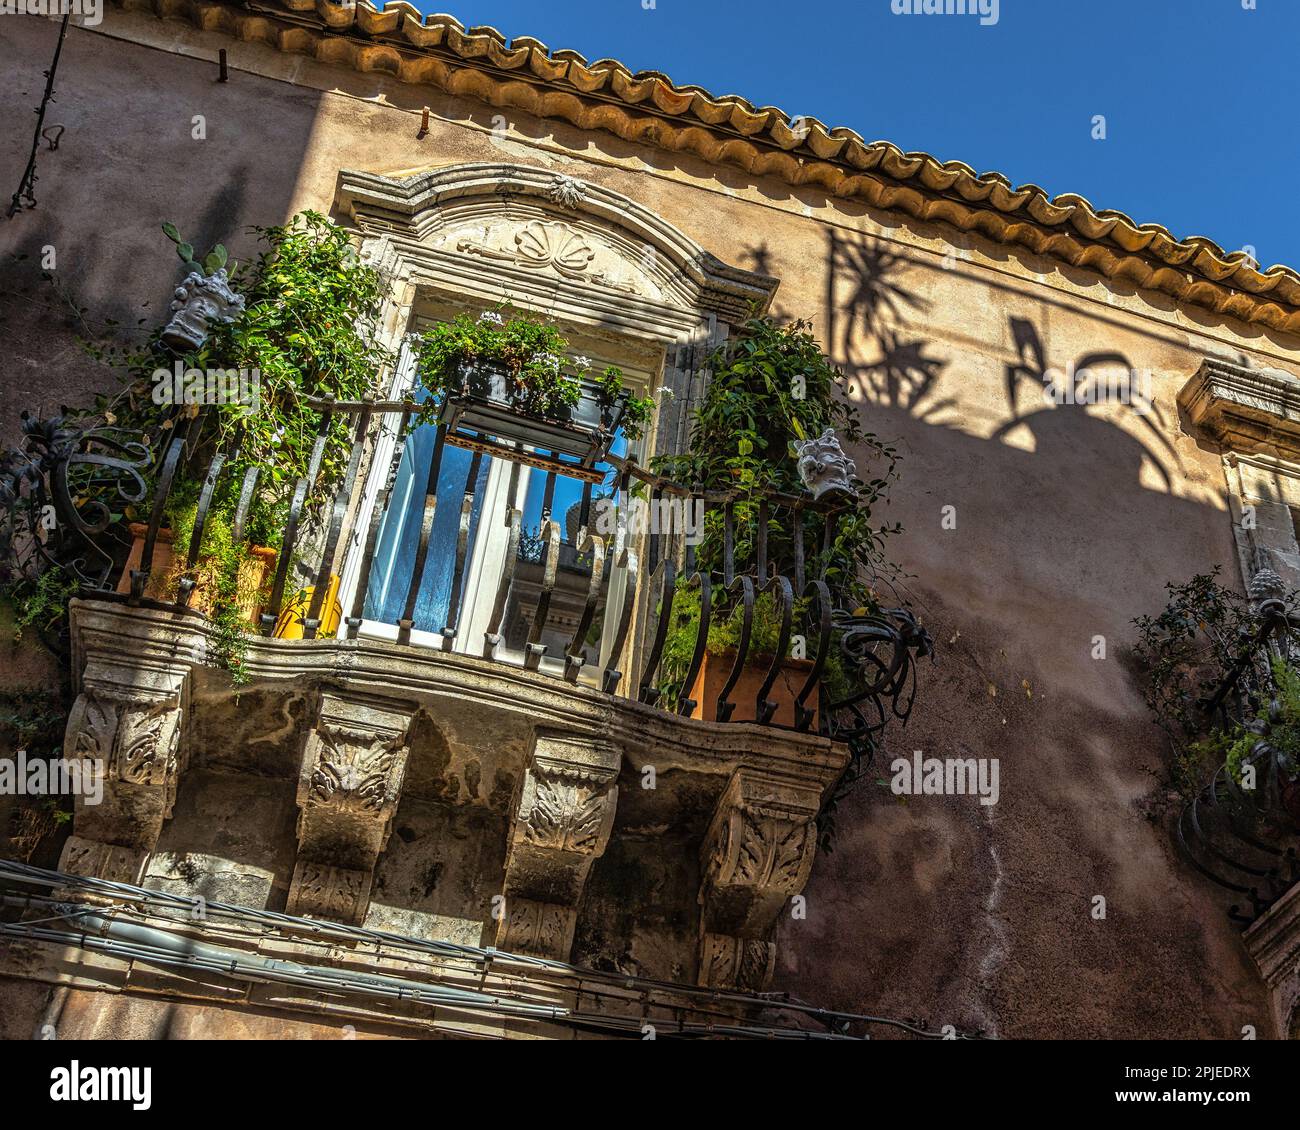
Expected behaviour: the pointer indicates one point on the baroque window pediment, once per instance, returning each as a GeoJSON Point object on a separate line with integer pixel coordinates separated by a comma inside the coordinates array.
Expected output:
{"type": "Point", "coordinates": [545, 230]}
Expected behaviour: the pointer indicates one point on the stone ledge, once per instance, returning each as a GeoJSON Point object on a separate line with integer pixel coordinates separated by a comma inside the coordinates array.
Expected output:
{"type": "Point", "coordinates": [365, 667]}
{"type": "Point", "coordinates": [1245, 410]}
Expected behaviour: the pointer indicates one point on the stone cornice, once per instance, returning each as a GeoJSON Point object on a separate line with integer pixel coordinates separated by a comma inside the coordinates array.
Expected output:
{"type": "Point", "coordinates": [1245, 410]}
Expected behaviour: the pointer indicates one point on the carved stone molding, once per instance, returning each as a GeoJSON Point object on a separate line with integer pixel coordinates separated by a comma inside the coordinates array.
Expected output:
{"type": "Point", "coordinates": [321, 891]}
{"type": "Point", "coordinates": [349, 784]}
{"type": "Point", "coordinates": [1273, 941]}
{"type": "Point", "coordinates": [572, 231]}
{"type": "Point", "coordinates": [99, 860]}
{"type": "Point", "coordinates": [127, 723]}
{"type": "Point", "coordinates": [727, 962]}
{"type": "Point", "coordinates": [542, 928]}
{"type": "Point", "coordinates": [755, 856]}
{"type": "Point", "coordinates": [1246, 410]}
{"type": "Point", "coordinates": [561, 825]}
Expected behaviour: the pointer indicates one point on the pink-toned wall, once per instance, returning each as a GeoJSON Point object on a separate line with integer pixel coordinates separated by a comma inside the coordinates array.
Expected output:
{"type": "Point", "coordinates": [1068, 519]}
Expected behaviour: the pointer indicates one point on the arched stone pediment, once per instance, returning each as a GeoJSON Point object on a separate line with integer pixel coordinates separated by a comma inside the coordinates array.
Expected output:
{"type": "Point", "coordinates": [540, 230]}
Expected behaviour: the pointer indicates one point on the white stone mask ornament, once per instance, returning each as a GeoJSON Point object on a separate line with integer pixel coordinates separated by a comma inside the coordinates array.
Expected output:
{"type": "Point", "coordinates": [198, 301]}
{"type": "Point", "coordinates": [823, 466]}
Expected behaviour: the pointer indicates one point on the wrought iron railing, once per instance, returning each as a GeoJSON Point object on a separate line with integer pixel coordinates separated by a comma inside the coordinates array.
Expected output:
{"type": "Point", "coordinates": [1245, 839]}
{"type": "Point", "coordinates": [879, 650]}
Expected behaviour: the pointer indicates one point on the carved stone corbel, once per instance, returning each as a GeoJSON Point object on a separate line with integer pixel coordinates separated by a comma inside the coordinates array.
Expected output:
{"type": "Point", "coordinates": [756, 855]}
{"type": "Point", "coordinates": [1273, 942]}
{"type": "Point", "coordinates": [353, 764]}
{"type": "Point", "coordinates": [561, 826]}
{"type": "Point", "coordinates": [125, 727]}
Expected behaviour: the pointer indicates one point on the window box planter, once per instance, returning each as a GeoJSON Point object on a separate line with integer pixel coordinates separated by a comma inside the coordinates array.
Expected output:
{"type": "Point", "coordinates": [713, 675]}
{"type": "Point", "coordinates": [169, 566]}
{"type": "Point", "coordinates": [483, 402]}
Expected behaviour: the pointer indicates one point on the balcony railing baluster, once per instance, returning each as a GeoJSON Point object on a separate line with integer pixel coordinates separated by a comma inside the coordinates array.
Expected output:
{"type": "Point", "coordinates": [685, 704]}
{"type": "Point", "coordinates": [667, 576]}
{"type": "Point", "coordinates": [185, 588]}
{"type": "Point", "coordinates": [377, 513]}
{"type": "Point", "coordinates": [745, 584]}
{"type": "Point", "coordinates": [342, 500]}
{"type": "Point", "coordinates": [462, 548]}
{"type": "Point", "coordinates": [285, 557]}
{"type": "Point", "coordinates": [803, 717]}
{"type": "Point", "coordinates": [171, 463]}
{"type": "Point", "coordinates": [534, 649]}
{"type": "Point", "coordinates": [574, 656]}
{"type": "Point", "coordinates": [764, 707]}
{"type": "Point", "coordinates": [514, 519]}
{"type": "Point", "coordinates": [246, 489]}
{"type": "Point", "coordinates": [407, 622]}
{"type": "Point", "coordinates": [625, 561]}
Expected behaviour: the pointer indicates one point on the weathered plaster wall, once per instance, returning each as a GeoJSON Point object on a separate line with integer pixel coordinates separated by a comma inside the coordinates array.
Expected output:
{"type": "Point", "coordinates": [1069, 519]}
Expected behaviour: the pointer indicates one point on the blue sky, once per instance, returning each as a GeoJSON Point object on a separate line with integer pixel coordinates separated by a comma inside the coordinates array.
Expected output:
{"type": "Point", "coordinates": [1199, 96]}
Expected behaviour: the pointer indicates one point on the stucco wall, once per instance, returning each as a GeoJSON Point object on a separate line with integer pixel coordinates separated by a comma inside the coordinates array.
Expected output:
{"type": "Point", "coordinates": [1068, 522]}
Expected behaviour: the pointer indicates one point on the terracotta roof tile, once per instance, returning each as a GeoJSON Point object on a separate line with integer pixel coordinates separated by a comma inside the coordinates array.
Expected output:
{"type": "Point", "coordinates": [763, 141]}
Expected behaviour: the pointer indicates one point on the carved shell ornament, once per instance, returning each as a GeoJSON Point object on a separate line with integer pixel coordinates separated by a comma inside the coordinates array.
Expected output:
{"type": "Point", "coordinates": [555, 245]}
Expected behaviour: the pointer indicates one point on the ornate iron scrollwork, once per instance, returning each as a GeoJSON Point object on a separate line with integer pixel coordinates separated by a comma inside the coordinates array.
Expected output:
{"type": "Point", "coordinates": [1245, 839]}
{"type": "Point", "coordinates": [54, 498]}
{"type": "Point", "coordinates": [879, 652]}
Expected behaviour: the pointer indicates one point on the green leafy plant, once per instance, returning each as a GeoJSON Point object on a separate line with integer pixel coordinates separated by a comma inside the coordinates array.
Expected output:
{"type": "Point", "coordinates": [1183, 653]}
{"type": "Point", "coordinates": [40, 603]}
{"type": "Point", "coordinates": [211, 263]}
{"type": "Point", "coordinates": [310, 328]}
{"type": "Point", "coordinates": [532, 354]}
{"type": "Point", "coordinates": [770, 387]}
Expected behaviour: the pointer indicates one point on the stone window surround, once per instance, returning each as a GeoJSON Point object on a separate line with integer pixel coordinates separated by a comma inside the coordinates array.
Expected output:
{"type": "Point", "coordinates": [475, 234]}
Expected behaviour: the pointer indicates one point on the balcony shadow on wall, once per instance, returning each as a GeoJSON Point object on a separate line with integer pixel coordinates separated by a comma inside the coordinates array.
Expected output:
{"type": "Point", "coordinates": [979, 915]}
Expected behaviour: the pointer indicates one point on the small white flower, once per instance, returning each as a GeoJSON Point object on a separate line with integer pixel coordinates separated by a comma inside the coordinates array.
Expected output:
{"type": "Point", "coordinates": [664, 393]}
{"type": "Point", "coordinates": [582, 364]}
{"type": "Point", "coordinates": [493, 317]}
{"type": "Point", "coordinates": [278, 436]}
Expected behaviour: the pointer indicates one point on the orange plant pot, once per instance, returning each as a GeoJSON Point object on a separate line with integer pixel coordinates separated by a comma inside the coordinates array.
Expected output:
{"type": "Point", "coordinates": [168, 565]}
{"type": "Point", "coordinates": [789, 682]}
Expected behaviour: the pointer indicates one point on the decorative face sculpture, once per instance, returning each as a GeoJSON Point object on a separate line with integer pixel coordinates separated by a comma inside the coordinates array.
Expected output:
{"type": "Point", "coordinates": [823, 466]}
{"type": "Point", "coordinates": [198, 301]}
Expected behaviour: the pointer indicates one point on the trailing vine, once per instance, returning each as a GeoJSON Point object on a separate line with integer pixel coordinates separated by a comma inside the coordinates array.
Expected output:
{"type": "Point", "coordinates": [309, 328]}
{"type": "Point", "coordinates": [771, 386]}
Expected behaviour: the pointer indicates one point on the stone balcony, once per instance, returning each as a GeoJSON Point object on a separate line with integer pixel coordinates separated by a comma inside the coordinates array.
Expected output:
{"type": "Point", "coordinates": [440, 795]}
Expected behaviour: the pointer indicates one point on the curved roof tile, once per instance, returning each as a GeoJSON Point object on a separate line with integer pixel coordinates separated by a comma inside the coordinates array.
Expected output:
{"type": "Point", "coordinates": [730, 129]}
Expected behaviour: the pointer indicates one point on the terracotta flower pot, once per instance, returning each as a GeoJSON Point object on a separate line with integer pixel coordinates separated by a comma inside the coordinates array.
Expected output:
{"type": "Point", "coordinates": [713, 676]}
{"type": "Point", "coordinates": [168, 565]}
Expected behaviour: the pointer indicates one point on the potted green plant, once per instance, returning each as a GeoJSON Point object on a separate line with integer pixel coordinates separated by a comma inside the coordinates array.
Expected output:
{"type": "Point", "coordinates": [504, 376]}
{"type": "Point", "coordinates": [773, 391]}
